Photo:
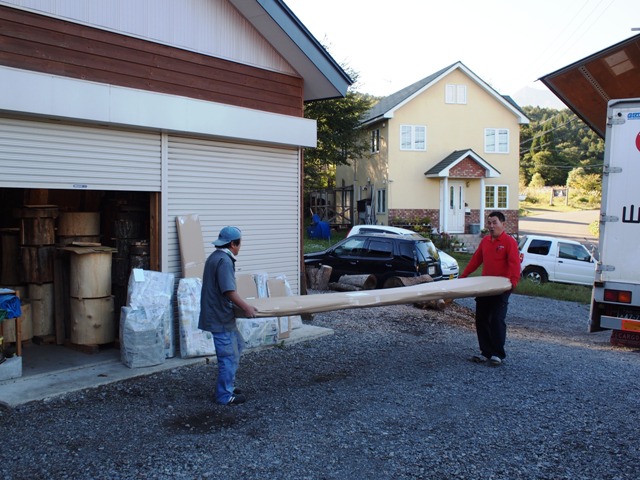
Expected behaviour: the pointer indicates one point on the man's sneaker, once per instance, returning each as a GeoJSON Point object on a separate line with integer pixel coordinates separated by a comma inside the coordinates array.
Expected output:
{"type": "Point", "coordinates": [478, 359]}
{"type": "Point", "coordinates": [237, 391]}
{"type": "Point", "coordinates": [495, 361]}
{"type": "Point", "coordinates": [236, 400]}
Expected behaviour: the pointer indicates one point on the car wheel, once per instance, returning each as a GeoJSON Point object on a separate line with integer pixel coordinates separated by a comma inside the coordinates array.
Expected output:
{"type": "Point", "coordinates": [535, 275]}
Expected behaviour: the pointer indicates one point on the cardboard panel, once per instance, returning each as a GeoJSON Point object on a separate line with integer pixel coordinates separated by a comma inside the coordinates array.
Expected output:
{"type": "Point", "coordinates": [277, 288]}
{"type": "Point", "coordinates": [192, 256]}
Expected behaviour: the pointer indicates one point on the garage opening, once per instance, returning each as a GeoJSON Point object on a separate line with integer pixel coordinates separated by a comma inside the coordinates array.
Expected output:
{"type": "Point", "coordinates": [68, 255]}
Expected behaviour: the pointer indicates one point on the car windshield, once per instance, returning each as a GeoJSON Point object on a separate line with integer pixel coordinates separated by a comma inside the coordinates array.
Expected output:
{"type": "Point", "coordinates": [427, 251]}
{"type": "Point", "coordinates": [523, 240]}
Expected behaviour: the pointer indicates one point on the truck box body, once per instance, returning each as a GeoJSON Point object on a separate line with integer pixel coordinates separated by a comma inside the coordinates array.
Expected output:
{"type": "Point", "coordinates": [616, 292]}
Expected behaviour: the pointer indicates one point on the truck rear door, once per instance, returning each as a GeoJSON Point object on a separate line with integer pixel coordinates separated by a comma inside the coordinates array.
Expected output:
{"type": "Point", "coordinates": [620, 210]}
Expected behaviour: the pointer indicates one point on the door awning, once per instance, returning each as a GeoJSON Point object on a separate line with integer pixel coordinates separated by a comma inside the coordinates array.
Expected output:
{"type": "Point", "coordinates": [463, 164]}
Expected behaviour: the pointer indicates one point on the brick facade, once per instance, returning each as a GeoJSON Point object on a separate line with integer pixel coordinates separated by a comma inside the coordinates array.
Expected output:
{"type": "Point", "coordinates": [467, 168]}
{"type": "Point", "coordinates": [410, 216]}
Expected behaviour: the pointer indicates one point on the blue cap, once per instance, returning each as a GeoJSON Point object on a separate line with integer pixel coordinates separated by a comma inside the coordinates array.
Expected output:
{"type": "Point", "coordinates": [227, 235]}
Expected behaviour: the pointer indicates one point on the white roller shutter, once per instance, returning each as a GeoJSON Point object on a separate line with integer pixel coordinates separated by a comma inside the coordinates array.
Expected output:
{"type": "Point", "coordinates": [56, 155]}
{"type": "Point", "coordinates": [254, 187]}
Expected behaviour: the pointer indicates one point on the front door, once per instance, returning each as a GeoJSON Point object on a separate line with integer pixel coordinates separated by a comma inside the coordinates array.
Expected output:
{"type": "Point", "coordinates": [455, 210]}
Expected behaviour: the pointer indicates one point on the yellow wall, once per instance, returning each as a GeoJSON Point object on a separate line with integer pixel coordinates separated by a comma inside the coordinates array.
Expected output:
{"type": "Point", "coordinates": [449, 127]}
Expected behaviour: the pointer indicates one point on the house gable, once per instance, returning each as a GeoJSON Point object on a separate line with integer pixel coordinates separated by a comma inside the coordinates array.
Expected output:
{"type": "Point", "coordinates": [448, 143]}
{"type": "Point", "coordinates": [386, 108]}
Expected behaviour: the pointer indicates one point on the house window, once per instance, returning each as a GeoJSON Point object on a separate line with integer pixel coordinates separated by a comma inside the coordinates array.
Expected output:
{"type": "Point", "coordinates": [413, 137]}
{"type": "Point", "coordinates": [456, 94]}
{"type": "Point", "coordinates": [375, 140]}
{"type": "Point", "coordinates": [496, 140]}
{"type": "Point", "coordinates": [496, 196]}
{"type": "Point", "coordinates": [381, 201]}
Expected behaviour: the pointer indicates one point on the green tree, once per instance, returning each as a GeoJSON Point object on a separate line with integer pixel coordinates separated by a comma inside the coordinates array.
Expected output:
{"type": "Point", "coordinates": [555, 142]}
{"type": "Point", "coordinates": [339, 136]}
{"type": "Point", "coordinates": [536, 181]}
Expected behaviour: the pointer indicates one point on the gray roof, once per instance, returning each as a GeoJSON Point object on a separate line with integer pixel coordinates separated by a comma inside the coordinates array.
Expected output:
{"type": "Point", "coordinates": [381, 109]}
{"type": "Point", "coordinates": [387, 103]}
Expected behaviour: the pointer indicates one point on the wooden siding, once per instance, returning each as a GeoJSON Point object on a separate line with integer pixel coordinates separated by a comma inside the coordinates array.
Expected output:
{"type": "Point", "coordinates": [43, 44]}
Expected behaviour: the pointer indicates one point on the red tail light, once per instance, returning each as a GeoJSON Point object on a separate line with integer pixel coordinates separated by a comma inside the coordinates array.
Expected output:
{"type": "Point", "coordinates": [619, 296]}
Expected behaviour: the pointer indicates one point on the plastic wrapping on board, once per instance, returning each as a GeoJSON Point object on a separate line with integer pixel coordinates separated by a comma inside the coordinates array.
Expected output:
{"type": "Point", "coordinates": [458, 288]}
{"type": "Point", "coordinates": [154, 291]}
{"type": "Point", "coordinates": [193, 341]}
{"type": "Point", "coordinates": [141, 338]}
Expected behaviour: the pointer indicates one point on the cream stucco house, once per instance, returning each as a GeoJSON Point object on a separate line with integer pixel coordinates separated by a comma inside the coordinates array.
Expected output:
{"type": "Point", "coordinates": [445, 148]}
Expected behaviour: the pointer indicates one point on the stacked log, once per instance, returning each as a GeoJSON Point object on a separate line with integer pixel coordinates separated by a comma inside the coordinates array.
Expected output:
{"type": "Point", "coordinates": [353, 283]}
{"type": "Point", "coordinates": [318, 277]}
{"type": "Point", "coordinates": [394, 282]}
{"type": "Point", "coordinates": [37, 249]}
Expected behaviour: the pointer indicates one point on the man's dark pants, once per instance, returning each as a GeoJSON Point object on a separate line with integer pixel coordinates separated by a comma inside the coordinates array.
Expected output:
{"type": "Point", "coordinates": [491, 325]}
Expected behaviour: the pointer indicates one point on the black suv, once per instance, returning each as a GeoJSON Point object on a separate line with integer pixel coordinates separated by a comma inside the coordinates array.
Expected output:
{"type": "Point", "coordinates": [382, 255]}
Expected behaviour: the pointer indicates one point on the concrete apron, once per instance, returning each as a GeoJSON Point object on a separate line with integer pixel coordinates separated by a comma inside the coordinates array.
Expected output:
{"type": "Point", "coordinates": [43, 386]}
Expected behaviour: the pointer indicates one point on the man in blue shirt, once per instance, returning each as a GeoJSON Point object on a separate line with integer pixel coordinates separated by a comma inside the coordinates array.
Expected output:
{"type": "Point", "coordinates": [217, 315]}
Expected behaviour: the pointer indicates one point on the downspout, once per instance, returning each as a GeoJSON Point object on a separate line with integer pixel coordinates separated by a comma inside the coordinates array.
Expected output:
{"type": "Point", "coordinates": [303, 277]}
{"type": "Point", "coordinates": [482, 201]}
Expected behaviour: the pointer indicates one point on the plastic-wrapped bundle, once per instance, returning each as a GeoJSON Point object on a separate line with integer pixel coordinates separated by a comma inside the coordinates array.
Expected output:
{"type": "Point", "coordinates": [261, 284]}
{"type": "Point", "coordinates": [193, 341]}
{"type": "Point", "coordinates": [153, 291]}
{"type": "Point", "coordinates": [257, 332]}
{"type": "Point", "coordinates": [141, 338]}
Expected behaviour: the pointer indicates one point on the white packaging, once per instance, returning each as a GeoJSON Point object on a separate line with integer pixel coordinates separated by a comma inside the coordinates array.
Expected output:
{"type": "Point", "coordinates": [153, 291]}
{"type": "Point", "coordinates": [141, 338]}
{"type": "Point", "coordinates": [193, 341]}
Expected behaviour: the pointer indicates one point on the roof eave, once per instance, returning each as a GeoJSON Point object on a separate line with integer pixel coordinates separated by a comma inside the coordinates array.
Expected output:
{"type": "Point", "coordinates": [323, 77]}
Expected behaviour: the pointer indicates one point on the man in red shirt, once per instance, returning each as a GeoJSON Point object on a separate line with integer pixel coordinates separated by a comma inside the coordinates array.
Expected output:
{"type": "Point", "coordinates": [498, 254]}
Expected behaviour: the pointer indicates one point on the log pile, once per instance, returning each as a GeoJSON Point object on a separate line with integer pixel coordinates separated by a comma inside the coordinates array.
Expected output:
{"type": "Point", "coordinates": [394, 282]}
{"type": "Point", "coordinates": [318, 278]}
{"type": "Point", "coordinates": [352, 283]}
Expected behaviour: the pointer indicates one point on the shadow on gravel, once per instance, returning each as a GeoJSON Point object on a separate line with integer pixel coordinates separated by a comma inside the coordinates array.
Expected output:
{"type": "Point", "coordinates": [201, 423]}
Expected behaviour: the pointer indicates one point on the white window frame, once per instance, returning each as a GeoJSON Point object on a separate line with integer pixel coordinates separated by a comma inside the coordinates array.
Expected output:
{"type": "Point", "coordinates": [455, 94]}
{"type": "Point", "coordinates": [413, 137]}
{"type": "Point", "coordinates": [499, 199]}
{"type": "Point", "coordinates": [381, 201]}
{"type": "Point", "coordinates": [496, 140]}
{"type": "Point", "coordinates": [375, 140]}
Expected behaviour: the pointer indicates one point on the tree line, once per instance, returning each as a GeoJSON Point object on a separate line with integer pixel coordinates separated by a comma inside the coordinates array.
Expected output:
{"type": "Point", "coordinates": [558, 148]}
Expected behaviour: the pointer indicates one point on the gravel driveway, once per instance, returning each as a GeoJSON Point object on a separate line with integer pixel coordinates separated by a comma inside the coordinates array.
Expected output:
{"type": "Point", "coordinates": [390, 395]}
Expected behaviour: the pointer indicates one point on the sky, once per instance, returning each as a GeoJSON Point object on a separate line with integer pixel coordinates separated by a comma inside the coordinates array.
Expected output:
{"type": "Point", "coordinates": [509, 44]}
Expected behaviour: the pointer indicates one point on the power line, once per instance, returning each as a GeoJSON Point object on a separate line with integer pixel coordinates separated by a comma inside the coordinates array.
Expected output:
{"type": "Point", "coordinates": [557, 127]}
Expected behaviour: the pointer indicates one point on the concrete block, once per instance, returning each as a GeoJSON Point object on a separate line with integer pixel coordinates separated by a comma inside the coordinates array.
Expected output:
{"type": "Point", "coordinates": [11, 368]}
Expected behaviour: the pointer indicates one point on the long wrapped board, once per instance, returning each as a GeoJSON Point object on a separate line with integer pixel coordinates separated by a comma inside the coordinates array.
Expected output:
{"type": "Point", "coordinates": [459, 288]}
